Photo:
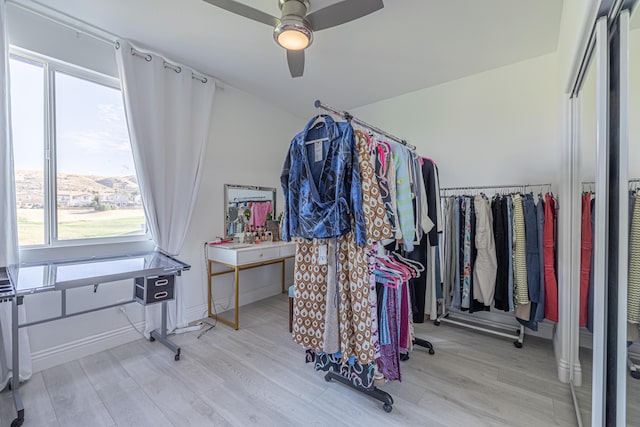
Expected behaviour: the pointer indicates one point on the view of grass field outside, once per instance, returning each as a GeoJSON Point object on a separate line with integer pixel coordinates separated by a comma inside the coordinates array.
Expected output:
{"type": "Point", "coordinates": [96, 190]}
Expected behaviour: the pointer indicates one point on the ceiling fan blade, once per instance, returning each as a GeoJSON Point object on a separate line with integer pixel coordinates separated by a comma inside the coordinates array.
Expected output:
{"type": "Point", "coordinates": [295, 58]}
{"type": "Point", "coordinates": [246, 11]}
{"type": "Point", "coordinates": [341, 13]}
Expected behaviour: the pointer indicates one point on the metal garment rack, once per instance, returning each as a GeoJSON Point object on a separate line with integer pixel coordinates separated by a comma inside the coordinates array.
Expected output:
{"type": "Point", "coordinates": [348, 117]}
{"type": "Point", "coordinates": [373, 392]}
{"type": "Point", "coordinates": [466, 321]}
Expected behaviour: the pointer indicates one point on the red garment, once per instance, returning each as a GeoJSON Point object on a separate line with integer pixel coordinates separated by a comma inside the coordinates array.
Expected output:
{"type": "Point", "coordinates": [586, 247]}
{"type": "Point", "coordinates": [550, 281]}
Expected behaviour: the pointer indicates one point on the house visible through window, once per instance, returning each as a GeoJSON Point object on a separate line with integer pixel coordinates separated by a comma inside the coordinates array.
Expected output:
{"type": "Point", "coordinates": [75, 177]}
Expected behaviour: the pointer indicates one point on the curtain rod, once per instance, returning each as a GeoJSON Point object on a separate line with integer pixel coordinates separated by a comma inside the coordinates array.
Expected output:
{"type": "Point", "coordinates": [345, 115]}
{"type": "Point", "coordinates": [178, 69]}
{"type": "Point", "coordinates": [486, 187]}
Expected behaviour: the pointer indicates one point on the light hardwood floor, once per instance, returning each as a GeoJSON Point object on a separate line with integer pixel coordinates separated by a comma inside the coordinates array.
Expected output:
{"type": "Point", "coordinates": [257, 376]}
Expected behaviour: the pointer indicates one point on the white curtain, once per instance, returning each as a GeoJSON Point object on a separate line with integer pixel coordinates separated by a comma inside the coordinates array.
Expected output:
{"type": "Point", "coordinates": [168, 115]}
{"type": "Point", "coordinates": [8, 224]}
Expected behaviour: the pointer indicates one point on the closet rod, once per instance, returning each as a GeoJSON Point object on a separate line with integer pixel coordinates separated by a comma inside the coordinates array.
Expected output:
{"type": "Point", "coordinates": [485, 187]}
{"type": "Point", "coordinates": [593, 182]}
{"type": "Point", "coordinates": [345, 115]}
{"type": "Point", "coordinates": [250, 199]}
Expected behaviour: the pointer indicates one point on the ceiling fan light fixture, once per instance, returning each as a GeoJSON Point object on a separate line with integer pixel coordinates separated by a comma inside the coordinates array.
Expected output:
{"type": "Point", "coordinates": [293, 34]}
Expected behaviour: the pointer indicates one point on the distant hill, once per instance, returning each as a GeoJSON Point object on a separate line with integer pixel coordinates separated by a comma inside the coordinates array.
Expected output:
{"type": "Point", "coordinates": [31, 182]}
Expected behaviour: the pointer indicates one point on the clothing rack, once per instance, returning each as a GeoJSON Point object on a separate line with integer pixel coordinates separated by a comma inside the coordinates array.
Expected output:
{"type": "Point", "coordinates": [459, 317]}
{"type": "Point", "coordinates": [522, 187]}
{"type": "Point", "coordinates": [373, 392]}
{"type": "Point", "coordinates": [348, 117]}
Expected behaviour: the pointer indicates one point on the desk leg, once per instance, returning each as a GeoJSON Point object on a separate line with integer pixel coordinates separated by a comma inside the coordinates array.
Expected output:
{"type": "Point", "coordinates": [15, 374]}
{"type": "Point", "coordinates": [210, 278]}
{"type": "Point", "coordinates": [237, 285]}
{"type": "Point", "coordinates": [162, 336]}
{"type": "Point", "coordinates": [283, 261]}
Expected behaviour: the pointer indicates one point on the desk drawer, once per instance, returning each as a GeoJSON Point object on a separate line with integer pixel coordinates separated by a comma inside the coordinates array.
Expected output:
{"type": "Point", "coordinates": [257, 255]}
{"type": "Point", "coordinates": [287, 250]}
{"type": "Point", "coordinates": [149, 290]}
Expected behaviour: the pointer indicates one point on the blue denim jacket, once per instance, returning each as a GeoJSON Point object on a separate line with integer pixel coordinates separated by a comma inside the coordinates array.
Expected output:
{"type": "Point", "coordinates": [321, 183]}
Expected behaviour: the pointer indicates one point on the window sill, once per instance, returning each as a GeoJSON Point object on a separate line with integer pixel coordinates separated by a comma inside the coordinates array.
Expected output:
{"type": "Point", "coordinates": [84, 248]}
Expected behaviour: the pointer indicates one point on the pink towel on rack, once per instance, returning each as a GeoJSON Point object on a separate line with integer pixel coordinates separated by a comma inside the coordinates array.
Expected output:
{"type": "Point", "coordinates": [259, 212]}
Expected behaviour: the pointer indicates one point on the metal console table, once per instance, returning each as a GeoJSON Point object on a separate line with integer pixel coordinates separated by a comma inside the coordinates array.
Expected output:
{"type": "Point", "coordinates": [32, 278]}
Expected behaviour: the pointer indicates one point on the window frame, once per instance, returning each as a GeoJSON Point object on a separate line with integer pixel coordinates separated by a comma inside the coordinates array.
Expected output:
{"type": "Point", "coordinates": [50, 66]}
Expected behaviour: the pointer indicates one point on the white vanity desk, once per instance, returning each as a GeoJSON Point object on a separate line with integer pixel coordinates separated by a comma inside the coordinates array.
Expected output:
{"type": "Point", "coordinates": [237, 257]}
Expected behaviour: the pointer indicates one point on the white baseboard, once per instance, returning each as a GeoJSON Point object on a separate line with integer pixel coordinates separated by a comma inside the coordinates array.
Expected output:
{"type": "Point", "coordinates": [74, 350]}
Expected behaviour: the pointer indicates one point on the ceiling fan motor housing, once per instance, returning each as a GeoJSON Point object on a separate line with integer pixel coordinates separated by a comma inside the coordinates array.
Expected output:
{"type": "Point", "coordinates": [293, 13]}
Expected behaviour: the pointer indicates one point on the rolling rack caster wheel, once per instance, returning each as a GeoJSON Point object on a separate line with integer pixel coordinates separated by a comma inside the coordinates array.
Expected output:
{"type": "Point", "coordinates": [635, 374]}
{"type": "Point", "coordinates": [176, 357]}
{"type": "Point", "coordinates": [387, 408]}
{"type": "Point", "coordinates": [327, 378]}
{"type": "Point", "coordinates": [518, 344]}
{"type": "Point", "coordinates": [152, 339]}
{"type": "Point", "coordinates": [436, 322]}
{"type": "Point", "coordinates": [18, 422]}
{"type": "Point", "coordinates": [432, 351]}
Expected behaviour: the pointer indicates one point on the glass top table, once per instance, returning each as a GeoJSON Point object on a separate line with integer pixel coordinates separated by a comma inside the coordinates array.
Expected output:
{"type": "Point", "coordinates": [29, 278]}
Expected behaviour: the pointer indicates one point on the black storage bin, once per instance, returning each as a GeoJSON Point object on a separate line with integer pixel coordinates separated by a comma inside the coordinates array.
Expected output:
{"type": "Point", "coordinates": [149, 290]}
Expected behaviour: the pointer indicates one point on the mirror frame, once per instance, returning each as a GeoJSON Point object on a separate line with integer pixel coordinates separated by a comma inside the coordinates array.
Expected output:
{"type": "Point", "coordinates": [228, 187]}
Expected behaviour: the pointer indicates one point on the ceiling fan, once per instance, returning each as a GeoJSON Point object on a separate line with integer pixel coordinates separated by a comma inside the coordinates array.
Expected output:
{"type": "Point", "coordinates": [294, 30]}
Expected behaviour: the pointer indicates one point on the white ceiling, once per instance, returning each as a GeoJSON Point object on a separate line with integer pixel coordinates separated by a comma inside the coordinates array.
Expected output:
{"type": "Point", "coordinates": [408, 45]}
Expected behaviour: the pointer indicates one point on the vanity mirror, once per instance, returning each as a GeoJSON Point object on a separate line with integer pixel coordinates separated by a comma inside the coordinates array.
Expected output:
{"type": "Point", "coordinates": [248, 208]}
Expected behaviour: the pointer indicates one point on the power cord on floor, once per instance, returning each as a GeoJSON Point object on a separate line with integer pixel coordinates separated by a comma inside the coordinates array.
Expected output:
{"type": "Point", "coordinates": [123, 310]}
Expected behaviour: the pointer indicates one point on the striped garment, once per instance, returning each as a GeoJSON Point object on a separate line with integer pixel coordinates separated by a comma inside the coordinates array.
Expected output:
{"type": "Point", "coordinates": [633, 299]}
{"type": "Point", "coordinates": [520, 285]}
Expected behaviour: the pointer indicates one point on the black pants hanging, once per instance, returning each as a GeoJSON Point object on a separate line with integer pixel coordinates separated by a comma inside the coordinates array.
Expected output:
{"type": "Point", "coordinates": [418, 286]}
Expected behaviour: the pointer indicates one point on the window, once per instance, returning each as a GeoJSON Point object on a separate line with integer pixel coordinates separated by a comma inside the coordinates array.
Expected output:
{"type": "Point", "coordinates": [74, 171]}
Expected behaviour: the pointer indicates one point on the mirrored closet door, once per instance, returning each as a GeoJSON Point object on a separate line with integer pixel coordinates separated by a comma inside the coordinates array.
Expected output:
{"type": "Point", "coordinates": [631, 304]}
{"type": "Point", "coordinates": [603, 242]}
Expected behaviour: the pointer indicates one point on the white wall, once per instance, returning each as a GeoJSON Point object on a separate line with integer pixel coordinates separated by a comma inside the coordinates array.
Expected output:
{"type": "Point", "coordinates": [249, 141]}
{"type": "Point", "coordinates": [497, 127]}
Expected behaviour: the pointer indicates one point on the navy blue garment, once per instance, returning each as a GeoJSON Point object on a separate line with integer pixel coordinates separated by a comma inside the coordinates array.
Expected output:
{"type": "Point", "coordinates": [321, 183]}
{"type": "Point", "coordinates": [533, 260]}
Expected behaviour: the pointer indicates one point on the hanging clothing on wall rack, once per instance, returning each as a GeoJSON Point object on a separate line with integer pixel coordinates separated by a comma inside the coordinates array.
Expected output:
{"type": "Point", "coordinates": [499, 253]}
{"type": "Point", "coordinates": [349, 189]}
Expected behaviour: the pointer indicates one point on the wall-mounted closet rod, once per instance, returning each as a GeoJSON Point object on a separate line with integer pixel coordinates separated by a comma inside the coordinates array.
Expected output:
{"type": "Point", "coordinates": [250, 199]}
{"type": "Point", "coordinates": [345, 115]}
{"type": "Point", "coordinates": [593, 182]}
{"type": "Point", "coordinates": [487, 187]}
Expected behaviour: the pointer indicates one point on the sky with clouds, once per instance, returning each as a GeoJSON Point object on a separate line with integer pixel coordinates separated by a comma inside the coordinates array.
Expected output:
{"type": "Point", "coordinates": [91, 131]}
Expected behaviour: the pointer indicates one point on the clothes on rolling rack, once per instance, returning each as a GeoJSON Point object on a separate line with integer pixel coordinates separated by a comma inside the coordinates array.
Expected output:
{"type": "Point", "coordinates": [500, 252]}
{"type": "Point", "coordinates": [346, 194]}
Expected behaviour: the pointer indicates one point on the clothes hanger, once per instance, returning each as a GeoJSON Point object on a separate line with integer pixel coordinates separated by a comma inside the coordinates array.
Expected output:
{"type": "Point", "coordinates": [320, 119]}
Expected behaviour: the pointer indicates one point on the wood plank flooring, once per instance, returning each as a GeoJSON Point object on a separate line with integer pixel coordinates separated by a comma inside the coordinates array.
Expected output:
{"type": "Point", "coordinates": [257, 376]}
